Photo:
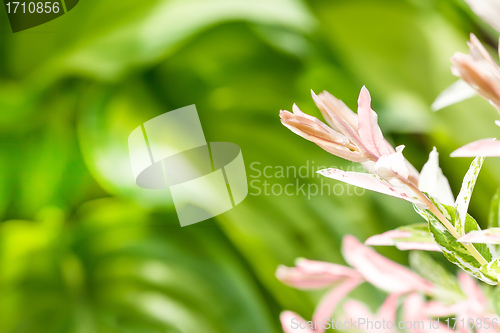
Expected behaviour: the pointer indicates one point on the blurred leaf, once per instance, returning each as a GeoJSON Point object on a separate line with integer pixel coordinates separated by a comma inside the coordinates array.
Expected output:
{"type": "Point", "coordinates": [494, 217]}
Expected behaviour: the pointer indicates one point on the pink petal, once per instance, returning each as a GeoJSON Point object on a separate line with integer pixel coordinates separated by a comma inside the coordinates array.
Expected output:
{"type": "Point", "coordinates": [388, 309]}
{"type": "Point", "coordinates": [369, 131]}
{"type": "Point", "coordinates": [387, 238]}
{"type": "Point", "coordinates": [392, 167]}
{"type": "Point", "coordinates": [291, 321]}
{"type": "Point", "coordinates": [370, 182]}
{"type": "Point", "coordinates": [422, 246]}
{"type": "Point", "coordinates": [380, 271]}
{"type": "Point", "coordinates": [309, 274]}
{"type": "Point", "coordinates": [320, 267]}
{"type": "Point", "coordinates": [330, 301]}
{"type": "Point", "coordinates": [355, 309]}
{"type": "Point", "coordinates": [488, 236]}
{"type": "Point", "coordinates": [484, 147]}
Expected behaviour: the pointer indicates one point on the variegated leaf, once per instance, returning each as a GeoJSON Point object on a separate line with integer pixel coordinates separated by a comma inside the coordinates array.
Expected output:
{"type": "Point", "coordinates": [494, 217]}
{"type": "Point", "coordinates": [446, 284]}
{"type": "Point", "coordinates": [463, 199]}
{"type": "Point", "coordinates": [453, 250]}
{"type": "Point", "coordinates": [409, 237]}
{"type": "Point", "coordinates": [492, 270]}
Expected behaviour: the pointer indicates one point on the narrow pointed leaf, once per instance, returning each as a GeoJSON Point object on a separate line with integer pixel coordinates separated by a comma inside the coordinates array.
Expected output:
{"type": "Point", "coordinates": [494, 216]}
{"type": "Point", "coordinates": [463, 199]}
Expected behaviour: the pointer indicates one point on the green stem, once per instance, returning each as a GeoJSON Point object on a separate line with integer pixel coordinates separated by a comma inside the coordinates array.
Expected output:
{"type": "Point", "coordinates": [433, 209]}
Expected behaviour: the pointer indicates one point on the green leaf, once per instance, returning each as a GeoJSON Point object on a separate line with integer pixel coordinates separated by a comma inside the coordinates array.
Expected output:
{"type": "Point", "coordinates": [492, 269]}
{"type": "Point", "coordinates": [496, 300]}
{"type": "Point", "coordinates": [493, 219]}
{"type": "Point", "coordinates": [447, 287]}
{"type": "Point", "coordinates": [453, 250]}
{"type": "Point", "coordinates": [463, 199]}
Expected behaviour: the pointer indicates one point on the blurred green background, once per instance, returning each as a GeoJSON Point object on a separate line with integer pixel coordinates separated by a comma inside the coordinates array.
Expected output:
{"type": "Point", "coordinates": [82, 249]}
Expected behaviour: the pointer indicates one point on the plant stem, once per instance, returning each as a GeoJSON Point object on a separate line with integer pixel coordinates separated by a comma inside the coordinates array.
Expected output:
{"type": "Point", "coordinates": [433, 209]}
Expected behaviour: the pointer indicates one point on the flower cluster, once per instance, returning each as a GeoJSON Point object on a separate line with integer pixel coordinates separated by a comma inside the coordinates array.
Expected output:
{"type": "Point", "coordinates": [405, 290]}
{"type": "Point", "coordinates": [448, 227]}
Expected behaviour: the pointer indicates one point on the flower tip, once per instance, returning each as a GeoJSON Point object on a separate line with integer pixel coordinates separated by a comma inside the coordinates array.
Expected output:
{"type": "Point", "coordinates": [296, 109]}
{"type": "Point", "coordinates": [364, 96]}
{"type": "Point", "coordinates": [281, 272]}
{"type": "Point", "coordinates": [350, 241]}
{"type": "Point", "coordinates": [400, 148]}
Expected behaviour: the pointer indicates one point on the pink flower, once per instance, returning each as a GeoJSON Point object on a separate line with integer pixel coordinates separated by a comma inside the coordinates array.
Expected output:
{"type": "Point", "coordinates": [380, 271]}
{"type": "Point", "coordinates": [479, 70]}
{"type": "Point", "coordinates": [395, 237]}
{"type": "Point", "coordinates": [367, 266]}
{"type": "Point", "coordinates": [358, 138]}
{"type": "Point", "coordinates": [354, 137]}
{"type": "Point", "coordinates": [474, 305]}
{"type": "Point", "coordinates": [310, 274]}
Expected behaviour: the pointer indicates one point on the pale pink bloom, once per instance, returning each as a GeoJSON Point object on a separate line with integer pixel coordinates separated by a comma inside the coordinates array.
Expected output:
{"type": "Point", "coordinates": [380, 271]}
{"type": "Point", "coordinates": [488, 10]}
{"type": "Point", "coordinates": [329, 302]}
{"type": "Point", "coordinates": [354, 137]}
{"type": "Point", "coordinates": [368, 265]}
{"type": "Point", "coordinates": [474, 305]}
{"type": "Point", "coordinates": [479, 70]}
{"type": "Point", "coordinates": [371, 182]}
{"type": "Point", "coordinates": [391, 170]}
{"type": "Point", "coordinates": [310, 274]}
{"type": "Point", "coordinates": [484, 147]}
{"type": "Point", "coordinates": [292, 322]}
{"type": "Point", "coordinates": [394, 237]}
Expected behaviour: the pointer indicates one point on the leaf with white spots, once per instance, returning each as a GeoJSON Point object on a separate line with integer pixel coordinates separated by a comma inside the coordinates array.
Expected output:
{"type": "Point", "coordinates": [452, 249]}
{"type": "Point", "coordinates": [494, 217]}
{"type": "Point", "coordinates": [463, 199]}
